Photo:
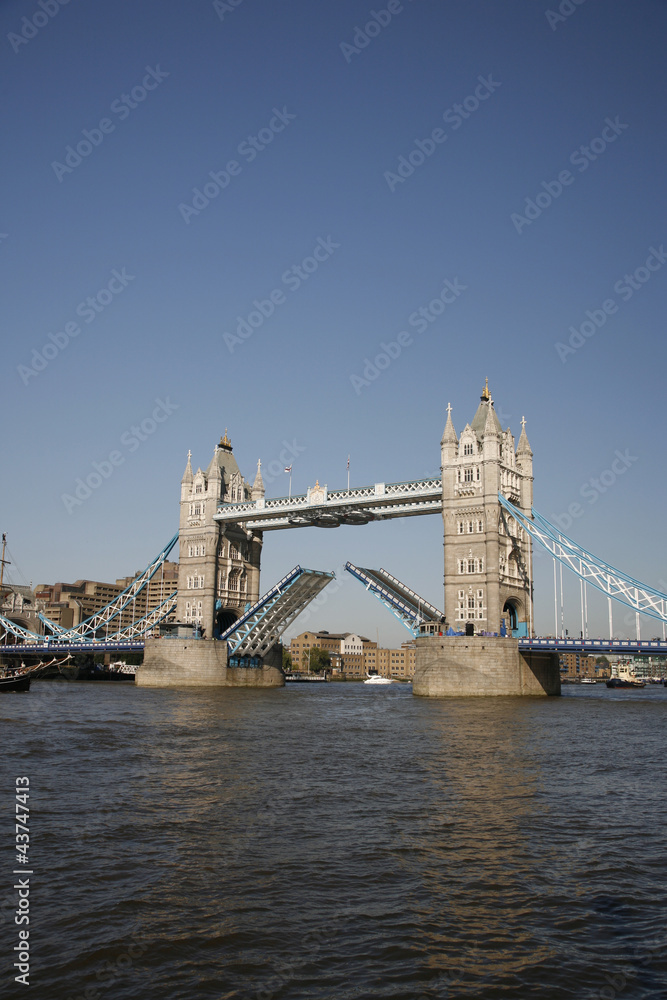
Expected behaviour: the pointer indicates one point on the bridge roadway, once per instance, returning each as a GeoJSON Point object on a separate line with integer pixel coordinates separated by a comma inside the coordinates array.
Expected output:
{"type": "Point", "coordinates": [627, 647]}
{"type": "Point", "coordinates": [52, 647]}
{"type": "Point", "coordinates": [636, 647]}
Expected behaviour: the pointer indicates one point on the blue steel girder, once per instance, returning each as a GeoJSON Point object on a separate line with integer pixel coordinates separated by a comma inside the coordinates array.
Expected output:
{"type": "Point", "coordinates": [261, 626]}
{"type": "Point", "coordinates": [148, 622]}
{"type": "Point", "coordinates": [410, 609]}
{"type": "Point", "coordinates": [19, 631]}
{"type": "Point", "coordinates": [612, 582]}
{"type": "Point", "coordinates": [101, 618]}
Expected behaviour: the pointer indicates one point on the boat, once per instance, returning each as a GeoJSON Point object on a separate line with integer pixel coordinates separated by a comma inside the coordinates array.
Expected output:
{"type": "Point", "coordinates": [15, 682]}
{"type": "Point", "coordinates": [588, 680]}
{"type": "Point", "coordinates": [625, 677]}
{"type": "Point", "coordinates": [19, 678]}
{"type": "Point", "coordinates": [376, 679]}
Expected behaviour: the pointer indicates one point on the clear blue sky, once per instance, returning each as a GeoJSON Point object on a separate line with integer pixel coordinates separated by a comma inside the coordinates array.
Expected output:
{"type": "Point", "coordinates": [170, 92]}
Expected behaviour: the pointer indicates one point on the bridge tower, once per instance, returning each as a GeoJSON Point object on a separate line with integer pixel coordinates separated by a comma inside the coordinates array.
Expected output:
{"type": "Point", "coordinates": [488, 558]}
{"type": "Point", "coordinates": [218, 563]}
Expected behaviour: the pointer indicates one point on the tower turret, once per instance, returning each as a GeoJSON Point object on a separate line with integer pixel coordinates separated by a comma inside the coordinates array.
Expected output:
{"type": "Point", "coordinates": [491, 434]}
{"type": "Point", "coordinates": [450, 443]}
{"type": "Point", "coordinates": [524, 463]}
{"type": "Point", "coordinates": [258, 486]}
{"type": "Point", "coordinates": [186, 481]}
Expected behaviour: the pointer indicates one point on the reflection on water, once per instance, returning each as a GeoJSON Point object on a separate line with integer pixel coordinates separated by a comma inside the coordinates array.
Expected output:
{"type": "Point", "coordinates": [341, 841]}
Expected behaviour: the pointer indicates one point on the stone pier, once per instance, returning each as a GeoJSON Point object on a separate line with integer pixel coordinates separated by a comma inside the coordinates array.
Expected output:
{"type": "Point", "coordinates": [203, 663]}
{"type": "Point", "coordinates": [470, 666]}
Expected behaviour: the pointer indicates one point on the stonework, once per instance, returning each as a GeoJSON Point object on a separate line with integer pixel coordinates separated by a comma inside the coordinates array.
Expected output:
{"type": "Point", "coordinates": [482, 666]}
{"type": "Point", "coordinates": [487, 555]}
{"type": "Point", "coordinates": [202, 663]}
{"type": "Point", "coordinates": [219, 564]}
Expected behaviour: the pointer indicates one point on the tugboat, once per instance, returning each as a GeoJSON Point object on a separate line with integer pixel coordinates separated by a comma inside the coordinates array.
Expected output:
{"type": "Point", "coordinates": [626, 678]}
{"type": "Point", "coordinates": [620, 682]}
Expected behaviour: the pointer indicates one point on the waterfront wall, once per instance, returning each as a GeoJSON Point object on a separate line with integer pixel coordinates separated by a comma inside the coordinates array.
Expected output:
{"type": "Point", "coordinates": [480, 666]}
{"type": "Point", "coordinates": [202, 663]}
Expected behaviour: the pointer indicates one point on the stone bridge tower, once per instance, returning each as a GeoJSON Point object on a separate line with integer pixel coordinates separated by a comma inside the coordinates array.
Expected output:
{"type": "Point", "coordinates": [488, 557]}
{"type": "Point", "coordinates": [219, 565]}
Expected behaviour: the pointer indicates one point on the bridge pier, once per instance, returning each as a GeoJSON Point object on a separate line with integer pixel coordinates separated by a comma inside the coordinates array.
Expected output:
{"type": "Point", "coordinates": [471, 666]}
{"type": "Point", "coordinates": [203, 663]}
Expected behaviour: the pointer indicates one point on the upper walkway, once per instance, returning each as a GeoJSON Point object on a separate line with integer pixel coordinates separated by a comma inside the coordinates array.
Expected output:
{"type": "Point", "coordinates": [324, 508]}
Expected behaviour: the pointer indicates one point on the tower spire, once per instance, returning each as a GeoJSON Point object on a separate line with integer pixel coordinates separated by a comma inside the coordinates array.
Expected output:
{"type": "Point", "coordinates": [523, 447]}
{"type": "Point", "coordinates": [258, 486]}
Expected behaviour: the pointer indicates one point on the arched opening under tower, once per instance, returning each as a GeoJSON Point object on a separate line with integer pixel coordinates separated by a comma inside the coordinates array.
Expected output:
{"type": "Point", "coordinates": [511, 615]}
{"type": "Point", "coordinates": [225, 618]}
{"type": "Point", "coordinates": [514, 613]}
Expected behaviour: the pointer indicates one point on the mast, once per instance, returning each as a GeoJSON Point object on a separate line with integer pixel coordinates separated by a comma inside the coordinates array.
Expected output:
{"type": "Point", "coordinates": [3, 560]}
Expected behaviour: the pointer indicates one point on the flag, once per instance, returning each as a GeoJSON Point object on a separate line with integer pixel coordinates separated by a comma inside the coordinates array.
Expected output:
{"type": "Point", "coordinates": [288, 468]}
{"type": "Point", "coordinates": [348, 463]}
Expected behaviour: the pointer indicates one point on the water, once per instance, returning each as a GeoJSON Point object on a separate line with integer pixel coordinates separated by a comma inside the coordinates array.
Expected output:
{"type": "Point", "coordinates": [338, 841]}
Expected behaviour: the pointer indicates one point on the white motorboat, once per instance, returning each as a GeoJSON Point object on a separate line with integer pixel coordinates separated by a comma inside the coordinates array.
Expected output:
{"type": "Point", "coordinates": [376, 679]}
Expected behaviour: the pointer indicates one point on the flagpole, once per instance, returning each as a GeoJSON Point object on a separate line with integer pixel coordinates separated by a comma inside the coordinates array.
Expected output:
{"type": "Point", "coordinates": [348, 473]}
{"type": "Point", "coordinates": [290, 482]}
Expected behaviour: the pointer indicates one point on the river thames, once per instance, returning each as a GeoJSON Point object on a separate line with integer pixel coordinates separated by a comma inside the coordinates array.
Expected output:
{"type": "Point", "coordinates": [337, 841]}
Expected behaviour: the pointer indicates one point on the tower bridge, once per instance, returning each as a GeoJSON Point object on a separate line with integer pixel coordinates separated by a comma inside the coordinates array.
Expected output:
{"type": "Point", "coordinates": [485, 497]}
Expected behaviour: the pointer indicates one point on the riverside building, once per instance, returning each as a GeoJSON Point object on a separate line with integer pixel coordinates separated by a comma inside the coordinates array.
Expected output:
{"type": "Point", "coordinates": [353, 655]}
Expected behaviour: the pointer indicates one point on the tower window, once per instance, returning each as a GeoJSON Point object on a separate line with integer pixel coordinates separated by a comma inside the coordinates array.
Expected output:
{"type": "Point", "coordinates": [198, 488]}
{"type": "Point", "coordinates": [468, 475]}
{"type": "Point", "coordinates": [467, 449]}
{"type": "Point", "coordinates": [479, 526]}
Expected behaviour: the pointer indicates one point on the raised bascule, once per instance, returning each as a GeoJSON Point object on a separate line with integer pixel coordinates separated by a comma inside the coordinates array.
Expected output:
{"type": "Point", "coordinates": [483, 641]}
